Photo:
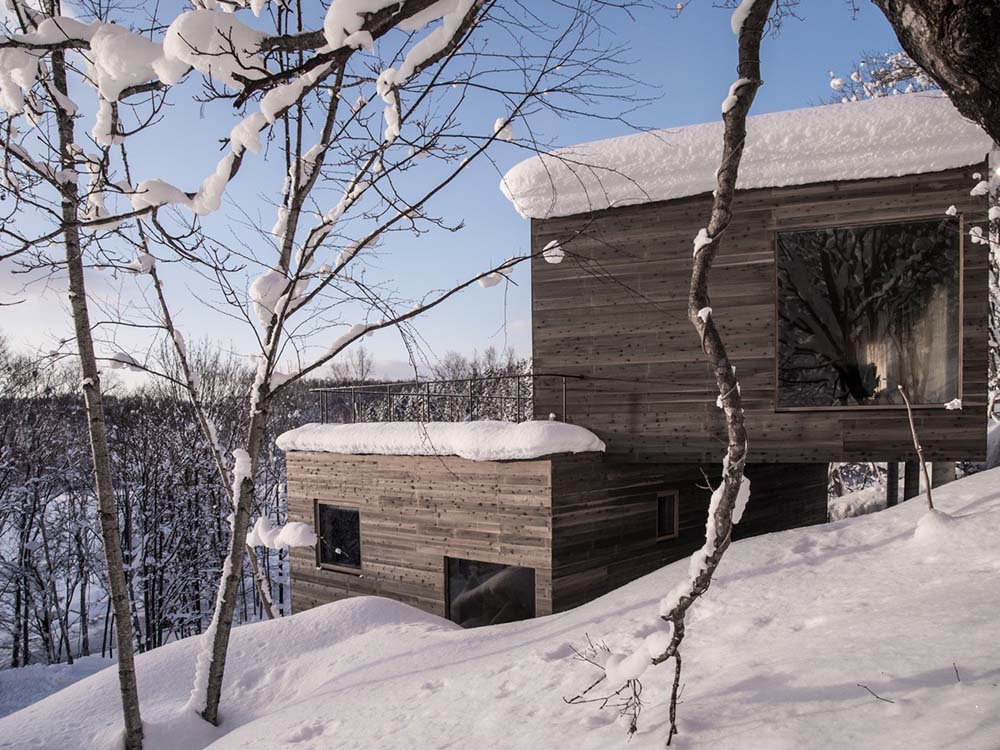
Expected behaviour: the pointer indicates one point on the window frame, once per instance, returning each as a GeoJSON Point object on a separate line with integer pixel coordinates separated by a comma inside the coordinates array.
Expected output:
{"type": "Point", "coordinates": [676, 525]}
{"type": "Point", "coordinates": [348, 569]}
{"type": "Point", "coordinates": [849, 225]}
{"type": "Point", "coordinates": [447, 582]}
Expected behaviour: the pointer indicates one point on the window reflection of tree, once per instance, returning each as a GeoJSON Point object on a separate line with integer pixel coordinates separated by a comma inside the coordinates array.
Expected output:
{"type": "Point", "coordinates": [481, 593]}
{"type": "Point", "coordinates": [863, 309]}
{"type": "Point", "coordinates": [340, 536]}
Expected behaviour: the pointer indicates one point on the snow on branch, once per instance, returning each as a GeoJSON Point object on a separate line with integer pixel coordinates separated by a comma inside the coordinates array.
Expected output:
{"type": "Point", "coordinates": [740, 15]}
{"type": "Point", "coordinates": [216, 44]}
{"type": "Point", "coordinates": [292, 534]}
{"type": "Point", "coordinates": [456, 18]}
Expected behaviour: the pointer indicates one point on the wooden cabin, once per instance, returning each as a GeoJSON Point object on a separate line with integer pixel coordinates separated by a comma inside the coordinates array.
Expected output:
{"type": "Point", "coordinates": [850, 269]}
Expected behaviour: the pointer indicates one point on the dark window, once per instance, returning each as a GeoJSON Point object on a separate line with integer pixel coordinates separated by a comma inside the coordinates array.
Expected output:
{"type": "Point", "coordinates": [481, 593]}
{"type": "Point", "coordinates": [339, 536]}
{"type": "Point", "coordinates": [666, 515]}
{"type": "Point", "coordinates": [862, 310]}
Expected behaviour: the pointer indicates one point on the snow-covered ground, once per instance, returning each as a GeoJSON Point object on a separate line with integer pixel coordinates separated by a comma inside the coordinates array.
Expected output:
{"type": "Point", "coordinates": [858, 503]}
{"type": "Point", "coordinates": [774, 658]}
{"type": "Point", "coordinates": [26, 685]}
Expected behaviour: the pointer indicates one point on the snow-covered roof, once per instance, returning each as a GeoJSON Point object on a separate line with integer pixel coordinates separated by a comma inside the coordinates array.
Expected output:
{"type": "Point", "coordinates": [887, 137]}
{"type": "Point", "coordinates": [478, 441]}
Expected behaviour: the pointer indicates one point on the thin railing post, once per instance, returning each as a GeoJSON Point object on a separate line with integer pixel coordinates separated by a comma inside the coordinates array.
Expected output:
{"type": "Point", "coordinates": [427, 402]}
{"type": "Point", "coordinates": [471, 406]}
{"type": "Point", "coordinates": [388, 395]}
{"type": "Point", "coordinates": [322, 407]}
{"type": "Point", "coordinates": [517, 398]}
{"type": "Point", "coordinates": [564, 399]}
{"type": "Point", "coordinates": [354, 405]}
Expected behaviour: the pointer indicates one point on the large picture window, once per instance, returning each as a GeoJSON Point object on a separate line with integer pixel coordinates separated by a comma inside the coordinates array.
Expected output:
{"type": "Point", "coordinates": [864, 309]}
{"type": "Point", "coordinates": [339, 531]}
{"type": "Point", "coordinates": [482, 593]}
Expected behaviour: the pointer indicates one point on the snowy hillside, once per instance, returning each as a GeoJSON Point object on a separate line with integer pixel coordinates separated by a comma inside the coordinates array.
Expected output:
{"type": "Point", "coordinates": [775, 657]}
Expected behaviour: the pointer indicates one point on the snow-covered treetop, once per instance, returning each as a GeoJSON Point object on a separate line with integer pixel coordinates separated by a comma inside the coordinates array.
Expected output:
{"type": "Point", "coordinates": [880, 74]}
{"type": "Point", "coordinates": [885, 137]}
{"type": "Point", "coordinates": [211, 39]}
{"type": "Point", "coordinates": [479, 441]}
{"type": "Point", "coordinates": [353, 123]}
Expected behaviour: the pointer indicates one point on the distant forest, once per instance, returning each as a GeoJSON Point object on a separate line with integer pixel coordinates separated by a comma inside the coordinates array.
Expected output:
{"type": "Point", "coordinates": [54, 605]}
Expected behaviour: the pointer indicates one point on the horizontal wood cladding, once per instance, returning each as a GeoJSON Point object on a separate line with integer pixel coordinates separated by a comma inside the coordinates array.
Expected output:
{"type": "Point", "coordinates": [615, 311]}
{"type": "Point", "coordinates": [585, 523]}
{"type": "Point", "coordinates": [604, 517]}
{"type": "Point", "coordinates": [415, 511]}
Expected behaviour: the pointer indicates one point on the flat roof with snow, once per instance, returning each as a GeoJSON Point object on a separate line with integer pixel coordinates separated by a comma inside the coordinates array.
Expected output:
{"type": "Point", "coordinates": [887, 137]}
{"type": "Point", "coordinates": [478, 441]}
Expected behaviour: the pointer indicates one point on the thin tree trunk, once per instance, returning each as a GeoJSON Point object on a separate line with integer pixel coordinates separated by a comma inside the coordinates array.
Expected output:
{"type": "Point", "coordinates": [911, 480]}
{"type": "Point", "coordinates": [62, 615]}
{"type": "Point", "coordinates": [84, 614]}
{"type": "Point", "coordinates": [15, 652]}
{"type": "Point", "coordinates": [106, 639]}
{"type": "Point", "coordinates": [95, 419]}
{"type": "Point", "coordinates": [25, 621]}
{"type": "Point", "coordinates": [920, 465]}
{"type": "Point", "coordinates": [226, 598]}
{"type": "Point", "coordinates": [891, 483]}
{"type": "Point", "coordinates": [263, 584]}
{"type": "Point", "coordinates": [720, 522]}
{"type": "Point", "coordinates": [942, 472]}
{"type": "Point", "coordinates": [44, 621]}
{"type": "Point", "coordinates": [208, 431]}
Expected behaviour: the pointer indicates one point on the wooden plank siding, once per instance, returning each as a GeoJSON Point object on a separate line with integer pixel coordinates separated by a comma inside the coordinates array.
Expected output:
{"type": "Point", "coordinates": [416, 510]}
{"type": "Point", "coordinates": [616, 308]}
{"type": "Point", "coordinates": [585, 523]}
{"type": "Point", "coordinates": [604, 517]}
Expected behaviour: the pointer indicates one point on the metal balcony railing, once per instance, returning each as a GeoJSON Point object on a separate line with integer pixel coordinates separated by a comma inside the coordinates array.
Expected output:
{"type": "Point", "coordinates": [509, 398]}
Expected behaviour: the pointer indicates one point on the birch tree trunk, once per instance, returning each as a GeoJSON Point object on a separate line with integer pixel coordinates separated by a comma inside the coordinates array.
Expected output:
{"type": "Point", "coordinates": [225, 604]}
{"type": "Point", "coordinates": [95, 417]}
{"type": "Point", "coordinates": [208, 432]}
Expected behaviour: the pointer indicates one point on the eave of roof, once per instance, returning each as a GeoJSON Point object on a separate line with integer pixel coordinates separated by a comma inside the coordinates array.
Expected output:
{"type": "Point", "coordinates": [887, 137]}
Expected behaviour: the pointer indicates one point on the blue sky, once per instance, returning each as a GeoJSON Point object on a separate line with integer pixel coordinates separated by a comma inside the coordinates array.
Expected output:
{"type": "Point", "coordinates": [692, 61]}
{"type": "Point", "coordinates": [687, 62]}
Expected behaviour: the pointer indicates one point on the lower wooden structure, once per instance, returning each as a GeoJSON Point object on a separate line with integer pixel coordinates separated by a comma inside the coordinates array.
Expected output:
{"type": "Point", "coordinates": [574, 526]}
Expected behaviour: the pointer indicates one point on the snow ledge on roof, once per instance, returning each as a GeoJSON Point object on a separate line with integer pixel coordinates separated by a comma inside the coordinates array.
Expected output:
{"type": "Point", "coordinates": [479, 441]}
{"type": "Point", "coordinates": [887, 137]}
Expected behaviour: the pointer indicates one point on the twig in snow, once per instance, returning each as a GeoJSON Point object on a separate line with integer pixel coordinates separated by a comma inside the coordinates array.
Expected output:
{"type": "Point", "coordinates": [674, 692]}
{"type": "Point", "coordinates": [874, 694]}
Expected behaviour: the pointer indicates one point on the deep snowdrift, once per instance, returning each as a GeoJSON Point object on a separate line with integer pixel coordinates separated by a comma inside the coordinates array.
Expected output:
{"type": "Point", "coordinates": [775, 654]}
{"type": "Point", "coordinates": [22, 687]}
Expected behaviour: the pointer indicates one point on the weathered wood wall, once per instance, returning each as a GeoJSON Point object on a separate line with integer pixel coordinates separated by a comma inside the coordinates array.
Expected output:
{"type": "Point", "coordinates": [617, 308]}
{"type": "Point", "coordinates": [585, 523]}
{"type": "Point", "coordinates": [415, 511]}
{"type": "Point", "coordinates": [604, 517]}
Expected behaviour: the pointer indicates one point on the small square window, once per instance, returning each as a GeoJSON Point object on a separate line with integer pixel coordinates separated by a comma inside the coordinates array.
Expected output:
{"type": "Point", "coordinates": [339, 531]}
{"type": "Point", "coordinates": [667, 508]}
